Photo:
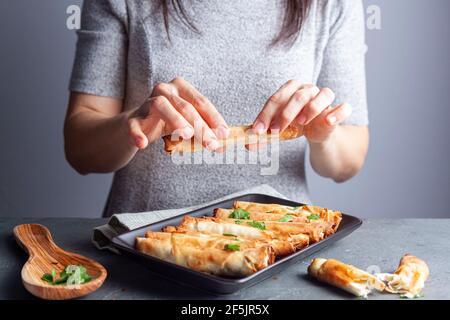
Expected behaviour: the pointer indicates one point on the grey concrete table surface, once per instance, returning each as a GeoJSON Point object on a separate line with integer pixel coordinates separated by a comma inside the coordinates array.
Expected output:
{"type": "Point", "coordinates": [376, 245]}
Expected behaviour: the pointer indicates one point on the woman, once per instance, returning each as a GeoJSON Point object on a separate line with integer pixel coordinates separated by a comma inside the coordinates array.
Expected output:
{"type": "Point", "coordinates": [146, 68]}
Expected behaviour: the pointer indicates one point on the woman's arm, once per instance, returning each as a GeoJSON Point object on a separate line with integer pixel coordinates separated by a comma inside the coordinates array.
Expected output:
{"type": "Point", "coordinates": [338, 137]}
{"type": "Point", "coordinates": [337, 151]}
{"type": "Point", "coordinates": [343, 70]}
{"type": "Point", "coordinates": [96, 134]}
{"type": "Point", "coordinates": [342, 155]}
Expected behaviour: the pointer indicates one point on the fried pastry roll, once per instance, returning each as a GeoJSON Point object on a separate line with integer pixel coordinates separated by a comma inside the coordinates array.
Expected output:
{"type": "Point", "coordinates": [283, 244]}
{"type": "Point", "coordinates": [307, 212]}
{"type": "Point", "coordinates": [315, 230]}
{"type": "Point", "coordinates": [230, 260]}
{"type": "Point", "coordinates": [260, 216]}
{"type": "Point", "coordinates": [409, 278]}
{"type": "Point", "coordinates": [345, 276]}
{"type": "Point", "coordinates": [237, 134]}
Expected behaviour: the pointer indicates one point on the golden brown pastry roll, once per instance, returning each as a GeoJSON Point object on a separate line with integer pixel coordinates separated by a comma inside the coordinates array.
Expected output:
{"type": "Point", "coordinates": [283, 244]}
{"type": "Point", "coordinates": [204, 240]}
{"type": "Point", "coordinates": [344, 276]}
{"type": "Point", "coordinates": [230, 260]}
{"type": "Point", "coordinates": [307, 212]}
{"type": "Point", "coordinates": [260, 216]}
{"type": "Point", "coordinates": [409, 278]}
{"type": "Point", "coordinates": [237, 134]}
{"type": "Point", "coordinates": [315, 230]}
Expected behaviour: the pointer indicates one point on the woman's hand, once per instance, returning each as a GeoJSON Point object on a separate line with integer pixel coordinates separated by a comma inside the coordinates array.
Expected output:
{"type": "Point", "coordinates": [177, 108]}
{"type": "Point", "coordinates": [302, 105]}
{"type": "Point", "coordinates": [308, 106]}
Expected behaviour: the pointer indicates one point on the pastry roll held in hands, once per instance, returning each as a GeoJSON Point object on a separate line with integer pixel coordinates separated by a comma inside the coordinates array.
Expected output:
{"type": "Point", "coordinates": [240, 134]}
{"type": "Point", "coordinates": [283, 244]}
{"type": "Point", "coordinates": [307, 212]}
{"type": "Point", "coordinates": [344, 276]}
{"type": "Point", "coordinates": [230, 260]}
{"type": "Point", "coordinates": [409, 278]}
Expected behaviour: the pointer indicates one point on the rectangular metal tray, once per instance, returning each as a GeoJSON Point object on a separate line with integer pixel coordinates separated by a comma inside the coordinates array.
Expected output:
{"type": "Point", "coordinates": [126, 244]}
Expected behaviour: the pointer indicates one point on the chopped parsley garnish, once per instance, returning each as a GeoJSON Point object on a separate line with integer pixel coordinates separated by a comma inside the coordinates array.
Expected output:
{"type": "Point", "coordinates": [240, 214]}
{"type": "Point", "coordinates": [314, 216]}
{"type": "Point", "coordinates": [287, 218]}
{"type": "Point", "coordinates": [257, 224]}
{"type": "Point", "coordinates": [48, 277]}
{"type": "Point", "coordinates": [232, 247]}
{"type": "Point", "coordinates": [238, 222]}
{"type": "Point", "coordinates": [70, 275]}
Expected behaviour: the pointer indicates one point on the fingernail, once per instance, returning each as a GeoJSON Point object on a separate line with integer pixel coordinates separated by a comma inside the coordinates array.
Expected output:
{"type": "Point", "coordinates": [302, 119]}
{"type": "Point", "coordinates": [187, 133]}
{"type": "Point", "coordinates": [275, 126]}
{"type": "Point", "coordinates": [213, 145]}
{"type": "Point", "coordinates": [332, 120]}
{"type": "Point", "coordinates": [137, 142]}
{"type": "Point", "coordinates": [259, 128]}
{"type": "Point", "coordinates": [223, 132]}
{"type": "Point", "coordinates": [141, 142]}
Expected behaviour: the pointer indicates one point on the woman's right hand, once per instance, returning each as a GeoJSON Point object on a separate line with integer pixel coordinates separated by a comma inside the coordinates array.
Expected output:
{"type": "Point", "coordinates": [177, 108]}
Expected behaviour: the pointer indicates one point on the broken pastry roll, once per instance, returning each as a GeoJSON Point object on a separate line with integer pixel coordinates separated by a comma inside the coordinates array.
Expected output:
{"type": "Point", "coordinates": [345, 276]}
{"type": "Point", "coordinates": [409, 278]}
{"type": "Point", "coordinates": [242, 134]}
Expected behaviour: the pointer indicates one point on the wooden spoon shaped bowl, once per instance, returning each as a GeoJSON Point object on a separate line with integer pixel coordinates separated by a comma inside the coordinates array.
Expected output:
{"type": "Point", "coordinates": [45, 255]}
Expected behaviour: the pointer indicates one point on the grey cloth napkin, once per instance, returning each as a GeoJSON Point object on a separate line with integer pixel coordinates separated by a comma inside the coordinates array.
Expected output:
{"type": "Point", "coordinates": [120, 223]}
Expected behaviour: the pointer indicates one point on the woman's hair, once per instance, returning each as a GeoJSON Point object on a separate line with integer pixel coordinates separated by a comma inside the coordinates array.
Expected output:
{"type": "Point", "coordinates": [295, 13]}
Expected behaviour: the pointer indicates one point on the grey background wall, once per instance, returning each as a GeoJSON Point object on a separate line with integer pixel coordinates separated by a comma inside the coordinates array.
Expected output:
{"type": "Point", "coordinates": [407, 173]}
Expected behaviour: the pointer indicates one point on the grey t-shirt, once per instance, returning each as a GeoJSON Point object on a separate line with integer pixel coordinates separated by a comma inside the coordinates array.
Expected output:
{"type": "Point", "coordinates": [122, 52]}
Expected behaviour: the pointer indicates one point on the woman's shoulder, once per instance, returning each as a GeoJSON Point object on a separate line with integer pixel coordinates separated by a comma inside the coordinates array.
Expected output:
{"type": "Point", "coordinates": [106, 9]}
{"type": "Point", "coordinates": [335, 9]}
{"type": "Point", "coordinates": [333, 13]}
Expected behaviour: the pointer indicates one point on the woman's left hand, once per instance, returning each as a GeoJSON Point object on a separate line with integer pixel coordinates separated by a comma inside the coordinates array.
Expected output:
{"type": "Point", "coordinates": [302, 105]}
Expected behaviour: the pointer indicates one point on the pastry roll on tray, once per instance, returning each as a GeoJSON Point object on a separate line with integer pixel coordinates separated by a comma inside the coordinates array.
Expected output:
{"type": "Point", "coordinates": [260, 215]}
{"type": "Point", "coordinates": [283, 244]}
{"type": "Point", "coordinates": [220, 257]}
{"type": "Point", "coordinates": [345, 276]}
{"type": "Point", "coordinates": [237, 134]}
{"type": "Point", "coordinates": [409, 278]}
{"type": "Point", "coordinates": [302, 212]}
{"type": "Point", "coordinates": [240, 241]}
{"type": "Point", "coordinates": [315, 231]}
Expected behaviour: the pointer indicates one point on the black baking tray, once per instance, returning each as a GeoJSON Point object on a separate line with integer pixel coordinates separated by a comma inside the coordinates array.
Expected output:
{"type": "Point", "coordinates": [216, 284]}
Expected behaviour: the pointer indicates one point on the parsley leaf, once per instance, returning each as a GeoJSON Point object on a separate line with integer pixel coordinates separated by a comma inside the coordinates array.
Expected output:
{"type": "Point", "coordinates": [232, 247]}
{"type": "Point", "coordinates": [47, 277]}
{"type": "Point", "coordinates": [314, 216]}
{"type": "Point", "coordinates": [71, 274]}
{"type": "Point", "coordinates": [287, 218]}
{"type": "Point", "coordinates": [238, 222]}
{"type": "Point", "coordinates": [240, 214]}
{"type": "Point", "coordinates": [257, 224]}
